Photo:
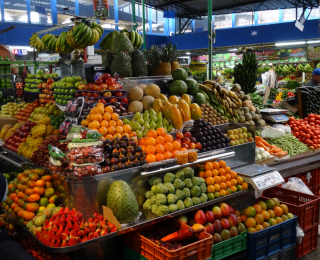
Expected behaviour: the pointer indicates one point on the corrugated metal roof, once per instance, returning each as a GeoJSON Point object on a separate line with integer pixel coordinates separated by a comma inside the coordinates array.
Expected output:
{"type": "Point", "coordinates": [198, 8]}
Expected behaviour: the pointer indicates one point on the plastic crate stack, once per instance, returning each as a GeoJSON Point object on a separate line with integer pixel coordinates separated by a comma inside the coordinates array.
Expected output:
{"type": "Point", "coordinates": [306, 208]}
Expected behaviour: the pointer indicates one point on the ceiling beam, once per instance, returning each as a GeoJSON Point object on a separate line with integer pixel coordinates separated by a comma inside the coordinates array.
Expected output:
{"type": "Point", "coordinates": [171, 3]}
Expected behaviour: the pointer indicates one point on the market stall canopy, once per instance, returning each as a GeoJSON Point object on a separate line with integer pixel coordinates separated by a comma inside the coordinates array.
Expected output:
{"type": "Point", "coordinates": [197, 8]}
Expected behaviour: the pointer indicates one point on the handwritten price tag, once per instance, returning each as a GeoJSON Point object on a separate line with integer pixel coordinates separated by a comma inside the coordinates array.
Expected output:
{"type": "Point", "coordinates": [315, 55]}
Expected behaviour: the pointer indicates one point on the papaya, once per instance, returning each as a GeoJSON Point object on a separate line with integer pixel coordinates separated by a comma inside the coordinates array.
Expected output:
{"type": "Point", "coordinates": [166, 110]}
{"type": "Point", "coordinates": [176, 117]}
{"type": "Point", "coordinates": [173, 99]}
{"type": "Point", "coordinates": [187, 98]}
{"type": "Point", "coordinates": [4, 130]}
{"type": "Point", "coordinates": [17, 126]}
{"type": "Point", "coordinates": [157, 105]}
{"type": "Point", "coordinates": [184, 109]}
{"type": "Point", "coordinates": [9, 133]}
{"type": "Point", "coordinates": [163, 98]}
{"type": "Point", "coordinates": [195, 111]}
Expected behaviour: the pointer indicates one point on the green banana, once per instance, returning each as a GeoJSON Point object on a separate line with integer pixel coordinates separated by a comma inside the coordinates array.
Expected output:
{"type": "Point", "coordinates": [77, 29]}
{"type": "Point", "coordinates": [80, 32]}
{"type": "Point", "coordinates": [132, 37]}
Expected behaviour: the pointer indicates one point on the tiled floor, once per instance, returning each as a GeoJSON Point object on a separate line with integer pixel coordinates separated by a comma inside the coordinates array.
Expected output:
{"type": "Point", "coordinates": [314, 255]}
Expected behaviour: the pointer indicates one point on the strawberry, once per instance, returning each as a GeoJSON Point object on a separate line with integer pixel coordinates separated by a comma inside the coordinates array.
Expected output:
{"type": "Point", "coordinates": [92, 227]}
{"type": "Point", "coordinates": [73, 234]}
{"type": "Point", "coordinates": [75, 219]}
{"type": "Point", "coordinates": [98, 231]}
{"type": "Point", "coordinates": [69, 225]}
{"type": "Point", "coordinates": [51, 235]}
{"type": "Point", "coordinates": [55, 222]}
{"type": "Point", "coordinates": [46, 241]}
{"type": "Point", "coordinates": [86, 231]}
{"type": "Point", "coordinates": [114, 229]}
{"type": "Point", "coordinates": [95, 234]}
{"type": "Point", "coordinates": [64, 237]}
{"type": "Point", "coordinates": [55, 229]}
{"type": "Point", "coordinates": [69, 218]}
{"type": "Point", "coordinates": [90, 219]}
{"type": "Point", "coordinates": [60, 231]}
{"type": "Point", "coordinates": [60, 212]}
{"type": "Point", "coordinates": [100, 217]}
{"type": "Point", "coordinates": [38, 235]}
{"type": "Point", "coordinates": [79, 214]}
{"type": "Point", "coordinates": [44, 232]}
{"type": "Point", "coordinates": [71, 242]}
{"type": "Point", "coordinates": [90, 236]}
{"type": "Point", "coordinates": [58, 236]}
{"type": "Point", "coordinates": [66, 231]}
{"type": "Point", "coordinates": [62, 218]}
{"type": "Point", "coordinates": [73, 212]}
{"type": "Point", "coordinates": [64, 244]}
{"type": "Point", "coordinates": [104, 232]}
{"type": "Point", "coordinates": [110, 225]}
{"type": "Point", "coordinates": [62, 224]}
{"type": "Point", "coordinates": [52, 243]}
{"type": "Point", "coordinates": [82, 226]}
{"type": "Point", "coordinates": [78, 240]}
{"type": "Point", "coordinates": [58, 244]}
{"type": "Point", "coordinates": [76, 227]}
{"type": "Point", "coordinates": [80, 233]}
{"type": "Point", "coordinates": [66, 211]}
{"type": "Point", "coordinates": [84, 239]}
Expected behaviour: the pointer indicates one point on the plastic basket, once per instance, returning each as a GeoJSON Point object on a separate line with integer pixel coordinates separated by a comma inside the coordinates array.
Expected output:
{"type": "Point", "coordinates": [309, 242]}
{"type": "Point", "coordinates": [305, 206]}
{"type": "Point", "coordinates": [229, 247]}
{"type": "Point", "coordinates": [315, 180]}
{"type": "Point", "coordinates": [287, 254]}
{"type": "Point", "coordinates": [130, 254]}
{"type": "Point", "coordinates": [237, 256]}
{"type": "Point", "coordinates": [269, 241]}
{"type": "Point", "coordinates": [197, 251]}
{"type": "Point", "coordinates": [316, 191]}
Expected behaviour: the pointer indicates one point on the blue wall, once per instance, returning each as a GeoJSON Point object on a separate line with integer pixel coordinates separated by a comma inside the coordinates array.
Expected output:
{"type": "Point", "coordinates": [242, 36]}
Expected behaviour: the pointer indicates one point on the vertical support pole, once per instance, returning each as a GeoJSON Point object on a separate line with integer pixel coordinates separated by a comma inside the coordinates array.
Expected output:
{"type": "Point", "coordinates": [280, 16]}
{"type": "Point", "coordinates": [28, 11]}
{"type": "Point", "coordinates": [134, 13]}
{"type": "Point", "coordinates": [180, 19]}
{"type": "Point", "coordinates": [85, 55]}
{"type": "Point", "coordinates": [210, 37]}
{"type": "Point", "coordinates": [150, 19]}
{"type": "Point", "coordinates": [256, 20]}
{"type": "Point", "coordinates": [2, 10]}
{"type": "Point", "coordinates": [54, 16]}
{"type": "Point", "coordinates": [233, 17]}
{"type": "Point", "coordinates": [143, 25]}
{"type": "Point", "coordinates": [116, 14]}
{"type": "Point", "coordinates": [76, 6]}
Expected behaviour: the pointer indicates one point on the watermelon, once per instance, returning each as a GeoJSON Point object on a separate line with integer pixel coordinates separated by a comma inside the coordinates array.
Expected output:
{"type": "Point", "coordinates": [193, 86]}
{"type": "Point", "coordinates": [179, 74]}
{"type": "Point", "coordinates": [200, 99]}
{"type": "Point", "coordinates": [178, 87]}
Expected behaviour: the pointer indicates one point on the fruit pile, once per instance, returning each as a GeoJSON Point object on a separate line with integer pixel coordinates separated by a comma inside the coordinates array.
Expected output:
{"type": "Point", "coordinates": [65, 89]}
{"type": "Point", "coordinates": [29, 192]}
{"type": "Point", "coordinates": [239, 136]}
{"type": "Point", "coordinates": [180, 190]}
{"type": "Point", "coordinates": [188, 141]}
{"type": "Point", "coordinates": [20, 111]}
{"type": "Point", "coordinates": [107, 122]}
{"type": "Point", "coordinates": [264, 214]}
{"type": "Point", "coordinates": [44, 112]}
{"type": "Point", "coordinates": [121, 154]}
{"type": "Point", "coordinates": [220, 179]}
{"type": "Point", "coordinates": [57, 118]}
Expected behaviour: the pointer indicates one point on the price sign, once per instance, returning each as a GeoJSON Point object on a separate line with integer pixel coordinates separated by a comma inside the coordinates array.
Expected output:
{"type": "Point", "coordinates": [314, 55]}
{"type": "Point", "coordinates": [266, 95]}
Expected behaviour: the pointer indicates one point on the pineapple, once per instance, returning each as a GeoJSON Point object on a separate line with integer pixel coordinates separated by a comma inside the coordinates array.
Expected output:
{"type": "Point", "coordinates": [153, 59]}
{"type": "Point", "coordinates": [139, 66]}
{"type": "Point", "coordinates": [121, 64]}
{"type": "Point", "coordinates": [164, 67]}
{"type": "Point", "coordinates": [173, 57]}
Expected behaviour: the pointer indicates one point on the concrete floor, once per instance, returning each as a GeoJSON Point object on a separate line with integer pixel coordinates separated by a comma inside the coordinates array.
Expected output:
{"type": "Point", "coordinates": [314, 255]}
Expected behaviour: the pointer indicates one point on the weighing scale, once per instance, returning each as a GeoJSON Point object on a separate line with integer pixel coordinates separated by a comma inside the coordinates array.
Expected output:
{"type": "Point", "coordinates": [260, 177]}
{"type": "Point", "coordinates": [274, 115]}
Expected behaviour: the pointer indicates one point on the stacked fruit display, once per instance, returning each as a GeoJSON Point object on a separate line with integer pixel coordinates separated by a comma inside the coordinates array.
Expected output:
{"type": "Point", "coordinates": [188, 141]}
{"type": "Point", "coordinates": [209, 114]}
{"type": "Point", "coordinates": [221, 180]}
{"type": "Point", "coordinates": [65, 89]}
{"type": "Point", "coordinates": [41, 75]}
{"type": "Point", "coordinates": [27, 109]}
{"type": "Point", "coordinates": [107, 122]}
{"type": "Point", "coordinates": [56, 119]}
{"type": "Point", "coordinates": [179, 191]}
{"type": "Point", "coordinates": [8, 130]}
{"type": "Point", "coordinates": [42, 112]}
{"type": "Point", "coordinates": [11, 109]}
{"type": "Point", "coordinates": [239, 136]}
{"type": "Point", "coordinates": [264, 214]}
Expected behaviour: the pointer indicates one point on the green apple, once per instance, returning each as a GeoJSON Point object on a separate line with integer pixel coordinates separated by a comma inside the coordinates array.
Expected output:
{"type": "Point", "coordinates": [70, 85]}
{"type": "Point", "coordinates": [72, 91]}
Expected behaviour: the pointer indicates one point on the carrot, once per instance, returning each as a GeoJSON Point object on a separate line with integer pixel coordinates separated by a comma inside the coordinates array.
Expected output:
{"type": "Point", "coordinates": [258, 143]}
{"type": "Point", "coordinates": [258, 138]}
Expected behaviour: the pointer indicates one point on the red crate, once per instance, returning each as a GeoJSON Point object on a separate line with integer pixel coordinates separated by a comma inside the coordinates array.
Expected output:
{"type": "Point", "coordinates": [304, 206]}
{"type": "Point", "coordinates": [316, 191]}
{"type": "Point", "coordinates": [305, 180]}
{"type": "Point", "coordinates": [199, 250]}
{"type": "Point", "coordinates": [315, 180]}
{"type": "Point", "coordinates": [309, 242]}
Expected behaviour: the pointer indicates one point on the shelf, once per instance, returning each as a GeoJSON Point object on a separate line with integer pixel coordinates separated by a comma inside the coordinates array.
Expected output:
{"type": "Point", "coordinates": [6, 75]}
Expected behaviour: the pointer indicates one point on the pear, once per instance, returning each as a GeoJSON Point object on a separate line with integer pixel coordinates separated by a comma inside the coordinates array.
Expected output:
{"type": "Point", "coordinates": [146, 113]}
{"type": "Point", "coordinates": [165, 122]}
{"type": "Point", "coordinates": [126, 121]}
{"type": "Point", "coordinates": [159, 125]}
{"type": "Point", "coordinates": [152, 125]}
{"type": "Point", "coordinates": [154, 118]}
{"type": "Point", "coordinates": [146, 125]}
{"type": "Point", "coordinates": [132, 123]}
{"type": "Point", "coordinates": [137, 126]}
{"type": "Point", "coordinates": [165, 128]}
{"type": "Point", "coordinates": [170, 127]}
{"type": "Point", "coordinates": [140, 120]}
{"type": "Point", "coordinates": [139, 134]}
{"type": "Point", "coordinates": [137, 115]}
{"type": "Point", "coordinates": [40, 220]}
{"type": "Point", "coordinates": [145, 132]}
{"type": "Point", "coordinates": [152, 112]}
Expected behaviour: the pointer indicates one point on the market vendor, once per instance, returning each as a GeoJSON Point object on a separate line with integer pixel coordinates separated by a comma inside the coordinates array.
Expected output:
{"type": "Point", "coordinates": [9, 249]}
{"type": "Point", "coordinates": [216, 79]}
{"type": "Point", "coordinates": [315, 81]}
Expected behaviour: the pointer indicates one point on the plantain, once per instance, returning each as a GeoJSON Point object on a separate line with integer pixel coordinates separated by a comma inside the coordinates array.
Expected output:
{"type": "Point", "coordinates": [208, 85]}
{"type": "Point", "coordinates": [210, 82]}
{"type": "Point", "coordinates": [205, 88]}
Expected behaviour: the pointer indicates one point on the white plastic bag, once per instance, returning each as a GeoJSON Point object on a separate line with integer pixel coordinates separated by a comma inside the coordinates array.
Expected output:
{"type": "Point", "coordinates": [286, 128]}
{"type": "Point", "coordinates": [297, 184]}
{"type": "Point", "coordinates": [300, 234]}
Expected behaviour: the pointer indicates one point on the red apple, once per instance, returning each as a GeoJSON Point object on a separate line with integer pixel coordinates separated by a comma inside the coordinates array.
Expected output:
{"type": "Point", "coordinates": [118, 94]}
{"type": "Point", "coordinates": [209, 228]}
{"type": "Point", "coordinates": [185, 146]}
{"type": "Point", "coordinates": [185, 140]}
{"type": "Point", "coordinates": [200, 217]}
{"type": "Point", "coordinates": [93, 87]}
{"type": "Point", "coordinates": [187, 134]}
{"type": "Point", "coordinates": [199, 145]}
{"type": "Point", "coordinates": [77, 95]}
{"type": "Point", "coordinates": [178, 140]}
{"type": "Point", "coordinates": [193, 140]}
{"type": "Point", "coordinates": [89, 94]}
{"type": "Point", "coordinates": [179, 135]}
{"type": "Point", "coordinates": [102, 101]}
{"type": "Point", "coordinates": [87, 87]}
{"type": "Point", "coordinates": [98, 81]}
{"type": "Point", "coordinates": [110, 81]}
{"type": "Point", "coordinates": [81, 87]}
{"type": "Point", "coordinates": [104, 87]}
{"type": "Point", "coordinates": [84, 94]}
{"type": "Point", "coordinates": [192, 146]}
{"type": "Point", "coordinates": [105, 76]}
{"type": "Point", "coordinates": [210, 216]}
{"type": "Point", "coordinates": [95, 95]}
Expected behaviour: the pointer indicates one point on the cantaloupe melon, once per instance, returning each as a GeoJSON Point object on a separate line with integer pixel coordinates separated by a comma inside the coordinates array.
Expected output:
{"type": "Point", "coordinates": [135, 106]}
{"type": "Point", "coordinates": [4, 130]}
{"type": "Point", "coordinates": [136, 93]}
{"type": "Point", "coordinates": [142, 86]}
{"type": "Point", "coordinates": [152, 90]}
{"type": "Point", "coordinates": [147, 102]}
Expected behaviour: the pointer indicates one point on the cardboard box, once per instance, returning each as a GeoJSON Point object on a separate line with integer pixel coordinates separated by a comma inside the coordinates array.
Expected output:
{"type": "Point", "coordinates": [4, 121]}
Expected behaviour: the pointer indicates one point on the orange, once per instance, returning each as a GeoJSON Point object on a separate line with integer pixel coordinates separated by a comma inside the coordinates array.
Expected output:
{"type": "Point", "coordinates": [278, 211]}
{"type": "Point", "coordinates": [233, 182]}
{"type": "Point", "coordinates": [174, 154]}
{"type": "Point", "coordinates": [265, 225]}
{"type": "Point", "coordinates": [207, 174]}
{"type": "Point", "coordinates": [240, 180]}
{"type": "Point", "coordinates": [99, 110]}
{"type": "Point", "coordinates": [168, 147]}
{"type": "Point", "coordinates": [222, 193]}
{"type": "Point", "coordinates": [38, 190]}
{"type": "Point", "coordinates": [93, 111]}
{"type": "Point", "coordinates": [94, 125]}
{"type": "Point", "coordinates": [201, 173]}
{"type": "Point", "coordinates": [279, 220]}
{"type": "Point", "coordinates": [104, 123]}
{"type": "Point", "coordinates": [85, 122]}
{"type": "Point", "coordinates": [227, 169]}
{"type": "Point", "coordinates": [223, 185]}
{"type": "Point", "coordinates": [103, 130]}
{"type": "Point", "coordinates": [88, 117]}
{"type": "Point", "coordinates": [210, 181]}
{"type": "Point", "coordinates": [168, 138]}
{"type": "Point", "coordinates": [222, 171]}
{"type": "Point", "coordinates": [216, 165]}
{"type": "Point", "coordinates": [265, 214]}
{"type": "Point", "coordinates": [119, 129]}
{"type": "Point", "coordinates": [108, 109]}
{"type": "Point", "coordinates": [34, 197]}
{"type": "Point", "coordinates": [160, 148]}
{"type": "Point", "coordinates": [228, 183]}
{"type": "Point", "coordinates": [161, 131]}
{"type": "Point", "coordinates": [143, 147]}
{"type": "Point", "coordinates": [32, 207]}
{"type": "Point", "coordinates": [150, 149]}
{"type": "Point", "coordinates": [176, 145]}
{"type": "Point", "coordinates": [250, 222]}
{"type": "Point", "coordinates": [217, 179]}
{"type": "Point", "coordinates": [233, 174]}
{"type": "Point", "coordinates": [159, 157]}
{"type": "Point", "coordinates": [119, 122]}
{"type": "Point", "coordinates": [115, 116]}
{"type": "Point", "coordinates": [112, 123]}
{"type": "Point", "coordinates": [233, 189]}
{"type": "Point", "coordinates": [259, 219]}
{"type": "Point", "coordinates": [167, 155]}
{"type": "Point", "coordinates": [152, 133]}
{"type": "Point", "coordinates": [271, 213]}
{"type": "Point", "coordinates": [243, 217]}
{"type": "Point", "coordinates": [151, 141]}
{"type": "Point", "coordinates": [223, 178]}
{"type": "Point", "coordinates": [284, 208]}
{"type": "Point", "coordinates": [160, 140]}
{"type": "Point", "coordinates": [217, 187]}
{"type": "Point", "coordinates": [150, 158]}
{"type": "Point", "coordinates": [143, 140]}
{"type": "Point", "coordinates": [40, 183]}
{"type": "Point", "coordinates": [100, 105]}
{"type": "Point", "coordinates": [259, 227]}
{"type": "Point", "coordinates": [109, 136]}
{"type": "Point", "coordinates": [107, 116]}
{"type": "Point", "coordinates": [244, 186]}
{"type": "Point", "coordinates": [257, 208]}
{"type": "Point", "coordinates": [183, 149]}
{"type": "Point", "coordinates": [111, 130]}
{"type": "Point", "coordinates": [222, 164]}
{"type": "Point", "coordinates": [31, 184]}
{"type": "Point", "coordinates": [127, 128]}
{"type": "Point", "coordinates": [228, 191]}
{"type": "Point", "coordinates": [215, 172]}
{"type": "Point", "coordinates": [208, 166]}
{"type": "Point", "coordinates": [211, 189]}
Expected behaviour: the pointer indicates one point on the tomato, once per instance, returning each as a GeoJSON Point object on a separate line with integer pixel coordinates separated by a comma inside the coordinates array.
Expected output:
{"type": "Point", "coordinates": [300, 127]}
{"type": "Point", "coordinates": [294, 125]}
{"type": "Point", "coordinates": [311, 116]}
{"type": "Point", "coordinates": [315, 141]}
{"type": "Point", "coordinates": [303, 139]}
{"type": "Point", "coordinates": [313, 128]}
{"type": "Point", "coordinates": [110, 81]}
{"type": "Point", "coordinates": [296, 134]}
{"type": "Point", "coordinates": [312, 124]}
{"type": "Point", "coordinates": [296, 129]}
{"type": "Point", "coordinates": [317, 122]}
{"type": "Point", "coordinates": [311, 147]}
{"type": "Point", "coordinates": [302, 134]}
{"type": "Point", "coordinates": [292, 118]}
{"type": "Point", "coordinates": [311, 119]}
{"type": "Point", "coordinates": [307, 141]}
{"type": "Point", "coordinates": [125, 100]}
{"type": "Point", "coordinates": [317, 117]}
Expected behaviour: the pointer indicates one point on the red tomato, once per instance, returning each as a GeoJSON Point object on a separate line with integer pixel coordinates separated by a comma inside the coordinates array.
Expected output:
{"type": "Point", "coordinates": [311, 116]}
{"type": "Point", "coordinates": [312, 119]}
{"type": "Point", "coordinates": [292, 118]}
{"type": "Point", "coordinates": [313, 128]}
{"type": "Point", "coordinates": [296, 134]}
{"type": "Point", "coordinates": [312, 124]}
{"type": "Point", "coordinates": [317, 117]}
{"type": "Point", "coordinates": [300, 127]}
{"type": "Point", "coordinates": [315, 141]}
{"type": "Point", "coordinates": [303, 139]}
{"type": "Point", "coordinates": [311, 147]}
{"type": "Point", "coordinates": [296, 129]}
{"type": "Point", "coordinates": [307, 141]}
{"type": "Point", "coordinates": [317, 122]}
{"type": "Point", "coordinates": [302, 134]}
{"type": "Point", "coordinates": [110, 81]}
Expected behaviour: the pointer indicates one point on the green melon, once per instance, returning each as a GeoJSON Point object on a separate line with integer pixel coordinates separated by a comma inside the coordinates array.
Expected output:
{"type": "Point", "coordinates": [193, 87]}
{"type": "Point", "coordinates": [179, 74]}
{"type": "Point", "coordinates": [178, 87]}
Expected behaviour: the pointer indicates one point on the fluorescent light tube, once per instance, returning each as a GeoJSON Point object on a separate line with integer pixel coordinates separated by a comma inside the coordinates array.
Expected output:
{"type": "Point", "coordinates": [289, 43]}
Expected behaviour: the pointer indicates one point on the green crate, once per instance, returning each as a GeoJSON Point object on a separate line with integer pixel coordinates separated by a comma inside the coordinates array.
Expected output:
{"type": "Point", "coordinates": [229, 247]}
{"type": "Point", "coordinates": [130, 254]}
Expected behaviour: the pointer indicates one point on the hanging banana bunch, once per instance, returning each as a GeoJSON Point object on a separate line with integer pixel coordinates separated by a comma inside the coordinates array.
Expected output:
{"type": "Point", "coordinates": [36, 42]}
{"type": "Point", "coordinates": [62, 46]}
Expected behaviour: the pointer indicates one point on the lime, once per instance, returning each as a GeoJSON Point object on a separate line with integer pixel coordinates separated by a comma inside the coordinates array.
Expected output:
{"type": "Point", "coordinates": [210, 196]}
{"type": "Point", "coordinates": [65, 102]}
{"type": "Point", "coordinates": [217, 195]}
{"type": "Point", "coordinates": [44, 201]}
{"type": "Point", "coordinates": [72, 91]}
{"type": "Point", "coordinates": [70, 85]}
{"type": "Point", "coordinates": [78, 78]}
{"type": "Point", "coordinates": [70, 96]}
{"type": "Point", "coordinates": [64, 79]}
{"type": "Point", "coordinates": [51, 205]}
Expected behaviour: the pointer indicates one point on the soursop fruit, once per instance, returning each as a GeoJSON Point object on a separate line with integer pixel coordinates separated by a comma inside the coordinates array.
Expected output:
{"type": "Point", "coordinates": [122, 43]}
{"type": "Point", "coordinates": [107, 59]}
{"type": "Point", "coordinates": [121, 64]}
{"type": "Point", "coordinates": [139, 66]}
{"type": "Point", "coordinates": [122, 202]}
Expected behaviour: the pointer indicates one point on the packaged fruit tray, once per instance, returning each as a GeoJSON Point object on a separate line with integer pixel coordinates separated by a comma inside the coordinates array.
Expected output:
{"type": "Point", "coordinates": [304, 206]}
{"type": "Point", "coordinates": [198, 250]}
{"type": "Point", "coordinates": [269, 241]}
{"type": "Point", "coordinates": [229, 247]}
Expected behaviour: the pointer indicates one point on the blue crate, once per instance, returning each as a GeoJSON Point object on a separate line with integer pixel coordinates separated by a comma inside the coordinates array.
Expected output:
{"type": "Point", "coordinates": [267, 242]}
